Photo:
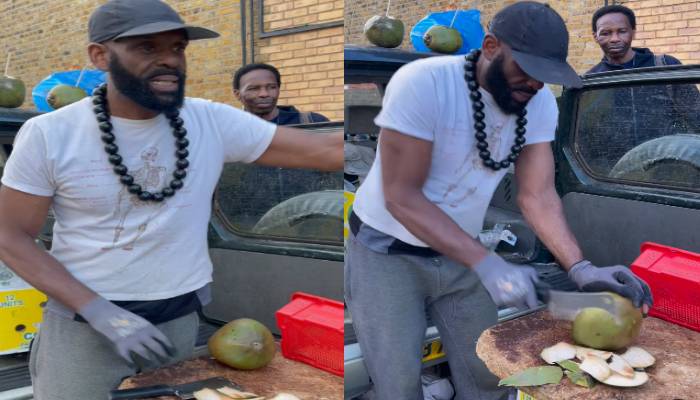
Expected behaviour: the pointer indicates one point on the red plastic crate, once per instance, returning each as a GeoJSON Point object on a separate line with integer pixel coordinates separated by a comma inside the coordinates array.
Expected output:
{"type": "Point", "coordinates": [312, 331]}
{"type": "Point", "coordinates": [674, 278]}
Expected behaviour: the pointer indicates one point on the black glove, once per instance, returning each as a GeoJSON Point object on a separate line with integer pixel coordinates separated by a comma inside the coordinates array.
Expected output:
{"type": "Point", "coordinates": [618, 279]}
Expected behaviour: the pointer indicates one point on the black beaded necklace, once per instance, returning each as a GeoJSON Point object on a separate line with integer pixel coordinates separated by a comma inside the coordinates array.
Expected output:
{"type": "Point", "coordinates": [99, 100]}
{"type": "Point", "coordinates": [479, 125]}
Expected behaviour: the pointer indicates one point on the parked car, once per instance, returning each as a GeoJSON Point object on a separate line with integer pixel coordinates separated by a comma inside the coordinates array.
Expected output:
{"type": "Point", "coordinates": [627, 154]}
{"type": "Point", "coordinates": [273, 232]}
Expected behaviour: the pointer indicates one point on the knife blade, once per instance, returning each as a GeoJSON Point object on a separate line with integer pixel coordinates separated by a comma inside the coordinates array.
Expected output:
{"type": "Point", "coordinates": [184, 391]}
{"type": "Point", "coordinates": [566, 305]}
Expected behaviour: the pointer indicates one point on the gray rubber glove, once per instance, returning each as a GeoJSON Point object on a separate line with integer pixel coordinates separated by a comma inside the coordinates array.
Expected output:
{"type": "Point", "coordinates": [129, 333]}
{"type": "Point", "coordinates": [618, 279]}
{"type": "Point", "coordinates": [508, 284]}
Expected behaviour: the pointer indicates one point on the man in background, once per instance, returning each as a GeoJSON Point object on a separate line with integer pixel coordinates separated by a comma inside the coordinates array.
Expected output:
{"type": "Point", "coordinates": [614, 27]}
{"type": "Point", "coordinates": [257, 87]}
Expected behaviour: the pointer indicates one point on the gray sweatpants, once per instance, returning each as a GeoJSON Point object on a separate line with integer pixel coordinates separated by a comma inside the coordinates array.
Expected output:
{"type": "Point", "coordinates": [71, 361]}
{"type": "Point", "coordinates": [388, 296]}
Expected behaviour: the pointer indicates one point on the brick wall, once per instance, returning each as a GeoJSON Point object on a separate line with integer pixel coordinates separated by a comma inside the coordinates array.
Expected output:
{"type": "Point", "coordinates": [671, 26]}
{"type": "Point", "coordinates": [311, 62]}
{"type": "Point", "coordinates": [50, 36]}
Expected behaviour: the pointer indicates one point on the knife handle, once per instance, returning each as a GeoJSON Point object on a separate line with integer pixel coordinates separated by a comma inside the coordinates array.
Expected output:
{"type": "Point", "coordinates": [142, 393]}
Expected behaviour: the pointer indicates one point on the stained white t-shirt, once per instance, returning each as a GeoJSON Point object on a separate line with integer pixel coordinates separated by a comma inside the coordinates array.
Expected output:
{"type": "Point", "coordinates": [429, 99]}
{"type": "Point", "coordinates": [118, 246]}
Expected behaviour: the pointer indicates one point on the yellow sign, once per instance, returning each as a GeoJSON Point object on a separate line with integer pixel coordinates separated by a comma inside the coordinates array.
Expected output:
{"type": "Point", "coordinates": [20, 316]}
{"type": "Point", "coordinates": [433, 351]}
{"type": "Point", "coordinates": [524, 396]}
{"type": "Point", "coordinates": [347, 207]}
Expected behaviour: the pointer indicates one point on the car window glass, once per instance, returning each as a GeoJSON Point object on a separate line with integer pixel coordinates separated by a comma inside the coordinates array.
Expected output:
{"type": "Point", "coordinates": [2, 161]}
{"type": "Point", "coordinates": [285, 204]}
{"type": "Point", "coordinates": [363, 101]}
{"type": "Point", "coordinates": [645, 134]}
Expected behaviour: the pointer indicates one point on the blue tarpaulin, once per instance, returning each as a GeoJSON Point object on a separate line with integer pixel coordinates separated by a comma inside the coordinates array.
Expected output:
{"type": "Point", "coordinates": [468, 23]}
{"type": "Point", "coordinates": [90, 80]}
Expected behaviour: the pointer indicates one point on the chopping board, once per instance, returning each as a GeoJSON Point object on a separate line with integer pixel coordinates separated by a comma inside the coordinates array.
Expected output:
{"type": "Point", "coordinates": [280, 375]}
{"type": "Point", "coordinates": [515, 345]}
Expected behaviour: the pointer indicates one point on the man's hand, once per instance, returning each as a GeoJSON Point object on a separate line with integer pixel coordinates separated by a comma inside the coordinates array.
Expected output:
{"type": "Point", "coordinates": [508, 284]}
{"type": "Point", "coordinates": [618, 279]}
{"type": "Point", "coordinates": [129, 333]}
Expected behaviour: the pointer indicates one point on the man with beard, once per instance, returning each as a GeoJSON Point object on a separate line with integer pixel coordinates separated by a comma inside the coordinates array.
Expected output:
{"type": "Point", "coordinates": [614, 27]}
{"type": "Point", "coordinates": [257, 87]}
{"type": "Point", "coordinates": [115, 296]}
{"type": "Point", "coordinates": [450, 129]}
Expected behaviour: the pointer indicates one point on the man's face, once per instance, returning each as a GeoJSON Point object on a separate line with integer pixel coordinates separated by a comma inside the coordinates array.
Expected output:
{"type": "Point", "coordinates": [150, 70]}
{"type": "Point", "coordinates": [614, 35]}
{"type": "Point", "coordinates": [258, 91]}
{"type": "Point", "coordinates": [510, 87]}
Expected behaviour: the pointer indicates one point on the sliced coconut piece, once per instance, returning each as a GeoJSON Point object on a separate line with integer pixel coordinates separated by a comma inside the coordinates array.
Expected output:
{"type": "Point", "coordinates": [582, 352]}
{"type": "Point", "coordinates": [559, 352]}
{"type": "Point", "coordinates": [638, 379]}
{"type": "Point", "coordinates": [209, 394]}
{"type": "Point", "coordinates": [596, 367]}
{"type": "Point", "coordinates": [235, 393]}
{"type": "Point", "coordinates": [620, 366]}
{"type": "Point", "coordinates": [285, 396]}
{"type": "Point", "coordinates": [637, 357]}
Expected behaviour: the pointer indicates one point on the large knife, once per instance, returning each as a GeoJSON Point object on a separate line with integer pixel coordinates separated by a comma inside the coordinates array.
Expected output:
{"type": "Point", "coordinates": [184, 391]}
{"type": "Point", "coordinates": [566, 305]}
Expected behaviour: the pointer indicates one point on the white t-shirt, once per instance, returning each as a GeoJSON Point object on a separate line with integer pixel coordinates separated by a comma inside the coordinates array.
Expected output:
{"type": "Point", "coordinates": [118, 246]}
{"type": "Point", "coordinates": [428, 99]}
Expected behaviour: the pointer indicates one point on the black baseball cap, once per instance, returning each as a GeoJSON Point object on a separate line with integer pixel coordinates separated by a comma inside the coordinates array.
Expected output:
{"type": "Point", "coordinates": [123, 18]}
{"type": "Point", "coordinates": [539, 40]}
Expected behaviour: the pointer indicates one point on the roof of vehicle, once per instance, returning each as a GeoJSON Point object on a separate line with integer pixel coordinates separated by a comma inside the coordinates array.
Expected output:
{"type": "Point", "coordinates": [375, 64]}
{"type": "Point", "coordinates": [16, 114]}
{"type": "Point", "coordinates": [11, 119]}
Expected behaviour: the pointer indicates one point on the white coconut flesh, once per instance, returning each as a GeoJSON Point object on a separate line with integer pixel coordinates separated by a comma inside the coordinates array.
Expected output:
{"type": "Point", "coordinates": [618, 365]}
{"type": "Point", "coordinates": [209, 394]}
{"type": "Point", "coordinates": [285, 396]}
{"type": "Point", "coordinates": [236, 394]}
{"type": "Point", "coordinates": [583, 352]}
{"type": "Point", "coordinates": [638, 379]}
{"type": "Point", "coordinates": [637, 357]}
{"type": "Point", "coordinates": [559, 352]}
{"type": "Point", "coordinates": [596, 367]}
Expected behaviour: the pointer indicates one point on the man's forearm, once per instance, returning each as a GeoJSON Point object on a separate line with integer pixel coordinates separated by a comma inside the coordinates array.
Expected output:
{"type": "Point", "coordinates": [294, 148]}
{"type": "Point", "coordinates": [430, 224]}
{"type": "Point", "coordinates": [545, 214]}
{"type": "Point", "coordinates": [330, 155]}
{"type": "Point", "coordinates": [42, 271]}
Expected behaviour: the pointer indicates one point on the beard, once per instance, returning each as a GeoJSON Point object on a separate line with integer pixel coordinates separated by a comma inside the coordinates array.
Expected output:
{"type": "Point", "coordinates": [138, 90]}
{"type": "Point", "coordinates": [501, 90]}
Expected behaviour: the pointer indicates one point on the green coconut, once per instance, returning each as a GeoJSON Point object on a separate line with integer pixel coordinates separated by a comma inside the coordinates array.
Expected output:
{"type": "Point", "coordinates": [12, 92]}
{"type": "Point", "coordinates": [384, 31]}
{"type": "Point", "coordinates": [597, 328]}
{"type": "Point", "coordinates": [62, 95]}
{"type": "Point", "coordinates": [243, 344]}
{"type": "Point", "coordinates": [442, 39]}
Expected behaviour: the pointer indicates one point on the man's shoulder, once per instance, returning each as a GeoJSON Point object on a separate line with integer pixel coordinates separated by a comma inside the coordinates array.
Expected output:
{"type": "Point", "coordinates": [430, 68]}
{"type": "Point", "coordinates": [543, 100]}
{"type": "Point", "coordinates": [667, 59]}
{"type": "Point", "coordinates": [316, 117]}
{"type": "Point", "coordinates": [600, 67]}
{"type": "Point", "coordinates": [66, 117]}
